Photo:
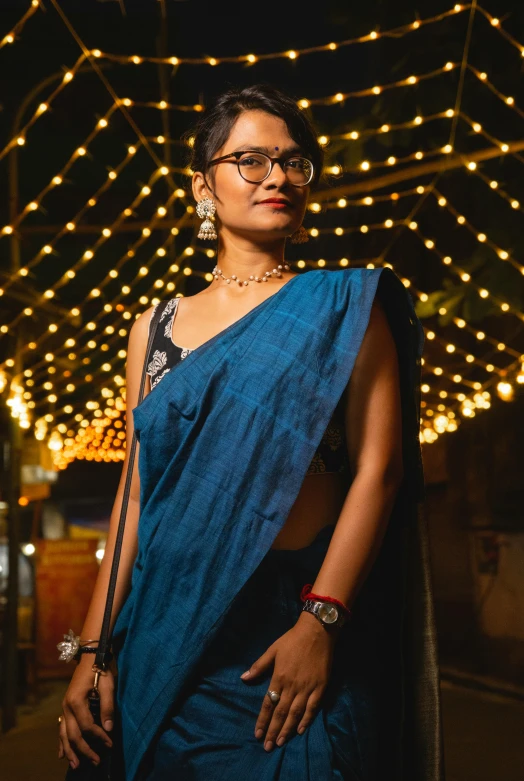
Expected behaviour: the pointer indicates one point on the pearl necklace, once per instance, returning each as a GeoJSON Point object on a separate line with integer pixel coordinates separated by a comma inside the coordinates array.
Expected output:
{"type": "Point", "coordinates": [276, 271]}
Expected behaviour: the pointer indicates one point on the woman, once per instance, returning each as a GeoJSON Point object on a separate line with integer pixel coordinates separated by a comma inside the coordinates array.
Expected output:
{"type": "Point", "coordinates": [279, 456]}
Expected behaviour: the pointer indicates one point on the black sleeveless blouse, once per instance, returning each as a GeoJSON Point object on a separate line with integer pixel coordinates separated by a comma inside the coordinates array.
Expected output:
{"type": "Point", "coordinates": [331, 454]}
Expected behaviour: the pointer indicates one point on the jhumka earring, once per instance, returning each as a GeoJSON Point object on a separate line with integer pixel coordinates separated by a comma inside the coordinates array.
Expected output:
{"type": "Point", "coordinates": [206, 209]}
{"type": "Point", "coordinates": [300, 236]}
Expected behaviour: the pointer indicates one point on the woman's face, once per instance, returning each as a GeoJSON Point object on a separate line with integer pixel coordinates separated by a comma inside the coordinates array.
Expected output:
{"type": "Point", "coordinates": [238, 203]}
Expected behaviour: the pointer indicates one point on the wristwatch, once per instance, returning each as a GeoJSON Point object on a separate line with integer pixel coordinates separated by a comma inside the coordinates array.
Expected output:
{"type": "Point", "coordinates": [327, 613]}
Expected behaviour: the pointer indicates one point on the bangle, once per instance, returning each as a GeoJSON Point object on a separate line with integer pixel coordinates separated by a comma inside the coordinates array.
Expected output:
{"type": "Point", "coordinates": [306, 593]}
{"type": "Point", "coordinates": [70, 647]}
{"type": "Point", "coordinates": [85, 649]}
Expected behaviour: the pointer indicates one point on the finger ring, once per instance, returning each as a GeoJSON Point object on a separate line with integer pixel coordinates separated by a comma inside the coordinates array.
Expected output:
{"type": "Point", "coordinates": [273, 696]}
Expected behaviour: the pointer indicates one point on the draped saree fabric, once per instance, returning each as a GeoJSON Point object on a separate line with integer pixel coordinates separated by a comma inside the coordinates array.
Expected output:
{"type": "Point", "coordinates": [225, 442]}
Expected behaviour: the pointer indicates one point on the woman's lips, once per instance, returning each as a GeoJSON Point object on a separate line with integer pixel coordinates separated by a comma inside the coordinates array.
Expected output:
{"type": "Point", "coordinates": [275, 204]}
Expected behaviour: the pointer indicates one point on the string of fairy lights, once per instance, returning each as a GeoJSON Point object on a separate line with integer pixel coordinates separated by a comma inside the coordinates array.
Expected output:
{"type": "Point", "coordinates": [13, 35]}
{"type": "Point", "coordinates": [304, 103]}
{"type": "Point", "coordinates": [95, 429]}
{"type": "Point", "coordinates": [289, 54]}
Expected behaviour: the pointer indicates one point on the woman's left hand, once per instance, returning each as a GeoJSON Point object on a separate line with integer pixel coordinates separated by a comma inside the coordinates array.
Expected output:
{"type": "Point", "coordinates": [303, 658]}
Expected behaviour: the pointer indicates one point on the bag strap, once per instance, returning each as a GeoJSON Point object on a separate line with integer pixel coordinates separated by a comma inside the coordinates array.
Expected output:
{"type": "Point", "coordinates": [104, 633]}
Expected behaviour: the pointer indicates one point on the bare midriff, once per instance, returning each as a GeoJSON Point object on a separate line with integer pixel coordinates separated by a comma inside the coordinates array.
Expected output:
{"type": "Point", "coordinates": [318, 504]}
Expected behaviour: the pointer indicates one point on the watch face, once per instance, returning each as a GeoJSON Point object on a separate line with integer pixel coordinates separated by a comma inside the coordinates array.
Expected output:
{"type": "Point", "coordinates": [328, 613]}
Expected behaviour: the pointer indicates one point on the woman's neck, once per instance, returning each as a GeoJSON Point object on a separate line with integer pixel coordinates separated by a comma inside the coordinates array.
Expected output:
{"type": "Point", "coordinates": [246, 260]}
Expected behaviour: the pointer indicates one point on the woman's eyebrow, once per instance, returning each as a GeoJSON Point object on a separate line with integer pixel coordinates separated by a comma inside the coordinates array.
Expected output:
{"type": "Point", "coordinates": [266, 149]}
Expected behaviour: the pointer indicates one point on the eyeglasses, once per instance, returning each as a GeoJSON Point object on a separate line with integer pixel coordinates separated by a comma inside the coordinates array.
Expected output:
{"type": "Point", "coordinates": [254, 167]}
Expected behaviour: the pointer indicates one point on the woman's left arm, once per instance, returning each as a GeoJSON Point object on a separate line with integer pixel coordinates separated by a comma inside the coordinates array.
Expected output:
{"type": "Point", "coordinates": [302, 657]}
{"type": "Point", "coordinates": [374, 440]}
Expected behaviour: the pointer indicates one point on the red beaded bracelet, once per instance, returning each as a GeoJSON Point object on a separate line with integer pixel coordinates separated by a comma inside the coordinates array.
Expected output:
{"type": "Point", "coordinates": [306, 593]}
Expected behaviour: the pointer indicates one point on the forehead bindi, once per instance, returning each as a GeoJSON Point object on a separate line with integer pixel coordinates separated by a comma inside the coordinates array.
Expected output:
{"type": "Point", "coordinates": [261, 132]}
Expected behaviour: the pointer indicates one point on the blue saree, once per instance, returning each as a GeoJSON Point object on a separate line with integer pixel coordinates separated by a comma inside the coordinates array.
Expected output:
{"type": "Point", "coordinates": [225, 442]}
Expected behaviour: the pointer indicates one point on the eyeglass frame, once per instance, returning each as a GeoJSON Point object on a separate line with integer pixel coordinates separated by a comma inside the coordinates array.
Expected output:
{"type": "Point", "coordinates": [272, 161]}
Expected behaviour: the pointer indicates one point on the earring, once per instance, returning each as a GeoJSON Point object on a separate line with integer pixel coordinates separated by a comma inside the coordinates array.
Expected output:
{"type": "Point", "coordinates": [206, 209]}
{"type": "Point", "coordinates": [300, 236]}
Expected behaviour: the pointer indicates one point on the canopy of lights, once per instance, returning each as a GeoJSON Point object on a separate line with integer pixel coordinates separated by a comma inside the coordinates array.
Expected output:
{"type": "Point", "coordinates": [77, 291]}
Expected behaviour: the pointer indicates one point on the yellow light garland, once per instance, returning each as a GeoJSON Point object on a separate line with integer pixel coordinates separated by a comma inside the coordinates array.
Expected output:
{"type": "Point", "coordinates": [11, 36]}
{"type": "Point", "coordinates": [290, 54]}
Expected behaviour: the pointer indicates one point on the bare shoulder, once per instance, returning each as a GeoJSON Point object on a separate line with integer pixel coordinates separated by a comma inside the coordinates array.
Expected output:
{"type": "Point", "coordinates": [140, 327]}
{"type": "Point", "coordinates": [138, 336]}
{"type": "Point", "coordinates": [136, 354]}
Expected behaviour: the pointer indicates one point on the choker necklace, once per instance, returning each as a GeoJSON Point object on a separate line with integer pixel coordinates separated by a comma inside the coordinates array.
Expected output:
{"type": "Point", "coordinates": [276, 272]}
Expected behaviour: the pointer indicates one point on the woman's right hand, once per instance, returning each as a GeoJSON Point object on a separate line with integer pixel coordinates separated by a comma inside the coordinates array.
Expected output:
{"type": "Point", "coordinates": [77, 721]}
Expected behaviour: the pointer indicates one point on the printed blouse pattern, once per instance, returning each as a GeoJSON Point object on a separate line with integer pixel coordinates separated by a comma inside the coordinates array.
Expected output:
{"type": "Point", "coordinates": [331, 454]}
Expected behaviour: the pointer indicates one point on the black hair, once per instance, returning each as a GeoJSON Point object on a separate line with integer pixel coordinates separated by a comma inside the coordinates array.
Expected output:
{"type": "Point", "coordinates": [214, 126]}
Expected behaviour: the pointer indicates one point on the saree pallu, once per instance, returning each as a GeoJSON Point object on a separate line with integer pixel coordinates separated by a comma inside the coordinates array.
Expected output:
{"type": "Point", "coordinates": [225, 443]}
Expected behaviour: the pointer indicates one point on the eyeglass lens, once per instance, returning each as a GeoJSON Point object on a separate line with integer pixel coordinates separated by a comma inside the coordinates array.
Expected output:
{"type": "Point", "coordinates": [255, 167]}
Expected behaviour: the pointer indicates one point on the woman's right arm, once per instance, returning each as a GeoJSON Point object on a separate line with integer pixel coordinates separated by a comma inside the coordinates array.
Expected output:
{"type": "Point", "coordinates": [76, 717]}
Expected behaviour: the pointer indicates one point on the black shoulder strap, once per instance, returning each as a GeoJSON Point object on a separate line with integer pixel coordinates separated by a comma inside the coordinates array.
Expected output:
{"type": "Point", "coordinates": [104, 633]}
